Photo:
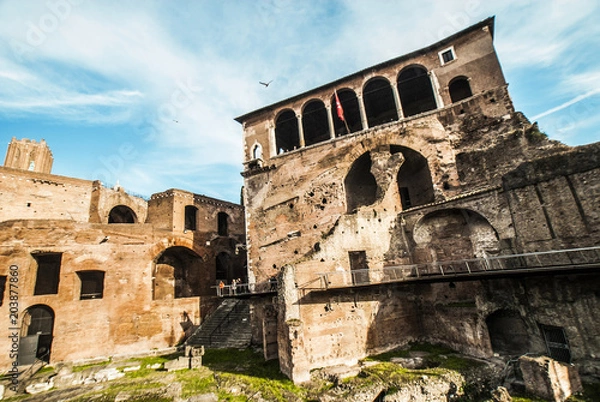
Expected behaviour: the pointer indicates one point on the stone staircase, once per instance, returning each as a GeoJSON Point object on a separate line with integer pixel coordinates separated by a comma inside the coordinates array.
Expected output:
{"type": "Point", "coordinates": [227, 327]}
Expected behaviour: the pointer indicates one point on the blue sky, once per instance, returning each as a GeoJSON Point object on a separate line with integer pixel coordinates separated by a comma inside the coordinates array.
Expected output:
{"type": "Point", "coordinates": [144, 93]}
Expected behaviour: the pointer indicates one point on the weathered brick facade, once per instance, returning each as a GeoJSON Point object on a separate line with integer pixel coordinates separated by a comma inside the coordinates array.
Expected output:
{"type": "Point", "coordinates": [103, 273]}
{"type": "Point", "coordinates": [431, 165]}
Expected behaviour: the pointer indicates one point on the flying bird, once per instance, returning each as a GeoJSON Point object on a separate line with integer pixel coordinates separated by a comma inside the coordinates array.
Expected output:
{"type": "Point", "coordinates": [266, 84]}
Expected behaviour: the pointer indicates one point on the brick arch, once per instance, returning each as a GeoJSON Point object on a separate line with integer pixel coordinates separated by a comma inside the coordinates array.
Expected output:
{"type": "Point", "coordinates": [453, 234]}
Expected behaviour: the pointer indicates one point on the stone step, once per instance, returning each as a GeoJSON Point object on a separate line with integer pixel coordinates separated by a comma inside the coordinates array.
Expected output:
{"type": "Point", "coordinates": [227, 327]}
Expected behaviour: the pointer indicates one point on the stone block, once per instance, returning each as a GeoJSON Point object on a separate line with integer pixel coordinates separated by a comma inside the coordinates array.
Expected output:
{"type": "Point", "coordinates": [548, 378]}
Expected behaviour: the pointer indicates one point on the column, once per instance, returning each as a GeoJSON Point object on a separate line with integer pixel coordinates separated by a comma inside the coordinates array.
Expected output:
{"type": "Point", "coordinates": [300, 130]}
{"type": "Point", "coordinates": [436, 90]}
{"type": "Point", "coordinates": [397, 100]}
{"type": "Point", "coordinates": [330, 121]}
{"type": "Point", "coordinates": [363, 113]}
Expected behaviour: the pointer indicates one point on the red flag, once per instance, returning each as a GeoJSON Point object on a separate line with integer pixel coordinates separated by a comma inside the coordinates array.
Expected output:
{"type": "Point", "coordinates": [338, 106]}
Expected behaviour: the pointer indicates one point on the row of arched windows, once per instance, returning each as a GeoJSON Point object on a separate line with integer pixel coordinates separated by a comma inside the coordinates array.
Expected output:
{"type": "Point", "coordinates": [413, 90]}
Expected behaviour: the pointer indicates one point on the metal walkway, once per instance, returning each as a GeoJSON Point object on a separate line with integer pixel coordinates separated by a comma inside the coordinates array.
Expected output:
{"type": "Point", "coordinates": [587, 258]}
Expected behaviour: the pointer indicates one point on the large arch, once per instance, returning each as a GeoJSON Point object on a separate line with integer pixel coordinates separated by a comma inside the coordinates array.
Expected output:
{"type": "Point", "coordinates": [415, 90]}
{"type": "Point", "coordinates": [380, 105]}
{"type": "Point", "coordinates": [459, 89]}
{"type": "Point", "coordinates": [37, 334]}
{"type": "Point", "coordinates": [314, 122]}
{"type": "Point", "coordinates": [178, 273]}
{"type": "Point", "coordinates": [508, 333]}
{"type": "Point", "coordinates": [414, 181]}
{"type": "Point", "coordinates": [453, 234]}
{"type": "Point", "coordinates": [122, 214]}
{"type": "Point", "coordinates": [350, 110]}
{"type": "Point", "coordinates": [360, 184]}
{"type": "Point", "coordinates": [287, 134]}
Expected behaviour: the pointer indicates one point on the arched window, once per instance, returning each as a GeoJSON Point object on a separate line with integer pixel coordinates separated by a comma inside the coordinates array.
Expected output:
{"type": "Point", "coordinates": [350, 112]}
{"type": "Point", "coordinates": [38, 322]}
{"type": "Point", "coordinates": [191, 213]}
{"type": "Point", "coordinates": [459, 89]}
{"type": "Point", "coordinates": [414, 178]}
{"type": "Point", "coordinates": [287, 134]}
{"type": "Point", "coordinates": [416, 92]}
{"type": "Point", "coordinates": [122, 214]}
{"type": "Point", "coordinates": [223, 223]}
{"type": "Point", "coordinates": [360, 184]}
{"type": "Point", "coordinates": [257, 152]}
{"type": "Point", "coordinates": [314, 122]}
{"type": "Point", "coordinates": [379, 102]}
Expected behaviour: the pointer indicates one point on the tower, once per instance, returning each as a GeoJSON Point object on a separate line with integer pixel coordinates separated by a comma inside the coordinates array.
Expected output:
{"type": "Point", "coordinates": [30, 155]}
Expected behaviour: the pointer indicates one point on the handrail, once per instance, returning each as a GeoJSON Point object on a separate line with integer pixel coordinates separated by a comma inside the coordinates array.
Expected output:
{"type": "Point", "coordinates": [226, 318]}
{"type": "Point", "coordinates": [539, 260]}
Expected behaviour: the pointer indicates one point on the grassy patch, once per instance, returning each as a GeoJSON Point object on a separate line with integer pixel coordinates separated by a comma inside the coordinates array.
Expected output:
{"type": "Point", "coordinates": [77, 369]}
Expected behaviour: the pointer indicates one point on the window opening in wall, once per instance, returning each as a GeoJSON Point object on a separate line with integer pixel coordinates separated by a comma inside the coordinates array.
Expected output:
{"type": "Point", "coordinates": [48, 273]}
{"type": "Point", "coordinates": [122, 214]}
{"type": "Point", "coordinates": [405, 198]}
{"type": "Point", "coordinates": [314, 122]}
{"type": "Point", "coordinates": [557, 344]}
{"type": "Point", "coordinates": [2, 288]}
{"type": "Point", "coordinates": [359, 267]}
{"type": "Point", "coordinates": [459, 89]}
{"type": "Point", "coordinates": [287, 134]}
{"type": "Point", "coordinates": [380, 105]}
{"type": "Point", "coordinates": [508, 333]}
{"type": "Point", "coordinates": [351, 109]}
{"type": "Point", "coordinates": [414, 178]}
{"type": "Point", "coordinates": [447, 55]}
{"type": "Point", "coordinates": [257, 152]}
{"type": "Point", "coordinates": [92, 284]}
{"type": "Point", "coordinates": [178, 273]}
{"type": "Point", "coordinates": [360, 184]}
{"type": "Point", "coordinates": [223, 223]}
{"type": "Point", "coordinates": [191, 213]}
{"type": "Point", "coordinates": [223, 268]}
{"type": "Point", "coordinates": [416, 91]}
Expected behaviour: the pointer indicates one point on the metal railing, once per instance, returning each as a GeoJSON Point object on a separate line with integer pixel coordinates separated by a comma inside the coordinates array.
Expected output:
{"type": "Point", "coordinates": [535, 261]}
{"type": "Point", "coordinates": [241, 289]}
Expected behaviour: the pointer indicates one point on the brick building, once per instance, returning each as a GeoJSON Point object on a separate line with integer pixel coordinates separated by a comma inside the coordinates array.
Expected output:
{"type": "Point", "coordinates": [410, 201]}
{"type": "Point", "coordinates": [103, 273]}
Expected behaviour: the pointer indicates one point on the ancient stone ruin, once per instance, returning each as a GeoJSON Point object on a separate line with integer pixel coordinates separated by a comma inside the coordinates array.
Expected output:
{"type": "Point", "coordinates": [410, 202]}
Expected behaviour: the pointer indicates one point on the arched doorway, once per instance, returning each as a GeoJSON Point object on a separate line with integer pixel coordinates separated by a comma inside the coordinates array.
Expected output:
{"type": "Point", "coordinates": [122, 214]}
{"type": "Point", "coordinates": [416, 91]}
{"type": "Point", "coordinates": [459, 89]}
{"type": "Point", "coordinates": [178, 273]}
{"type": "Point", "coordinates": [37, 329]}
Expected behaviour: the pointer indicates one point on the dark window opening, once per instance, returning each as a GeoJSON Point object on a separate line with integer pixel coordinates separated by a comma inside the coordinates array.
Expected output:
{"type": "Point", "coordinates": [360, 184]}
{"type": "Point", "coordinates": [405, 198]}
{"type": "Point", "coordinates": [379, 102]}
{"type": "Point", "coordinates": [191, 213]}
{"type": "Point", "coordinates": [287, 134]}
{"type": "Point", "coordinates": [122, 214]}
{"type": "Point", "coordinates": [508, 333]}
{"type": "Point", "coordinates": [314, 123]}
{"type": "Point", "coordinates": [414, 178]}
{"type": "Point", "coordinates": [2, 288]}
{"type": "Point", "coordinates": [92, 284]}
{"type": "Point", "coordinates": [459, 89]}
{"type": "Point", "coordinates": [447, 56]}
{"type": "Point", "coordinates": [557, 344]}
{"type": "Point", "coordinates": [48, 273]}
{"type": "Point", "coordinates": [350, 112]}
{"type": "Point", "coordinates": [223, 223]}
{"type": "Point", "coordinates": [224, 272]}
{"type": "Point", "coordinates": [416, 92]}
{"type": "Point", "coordinates": [178, 273]}
{"type": "Point", "coordinates": [359, 267]}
